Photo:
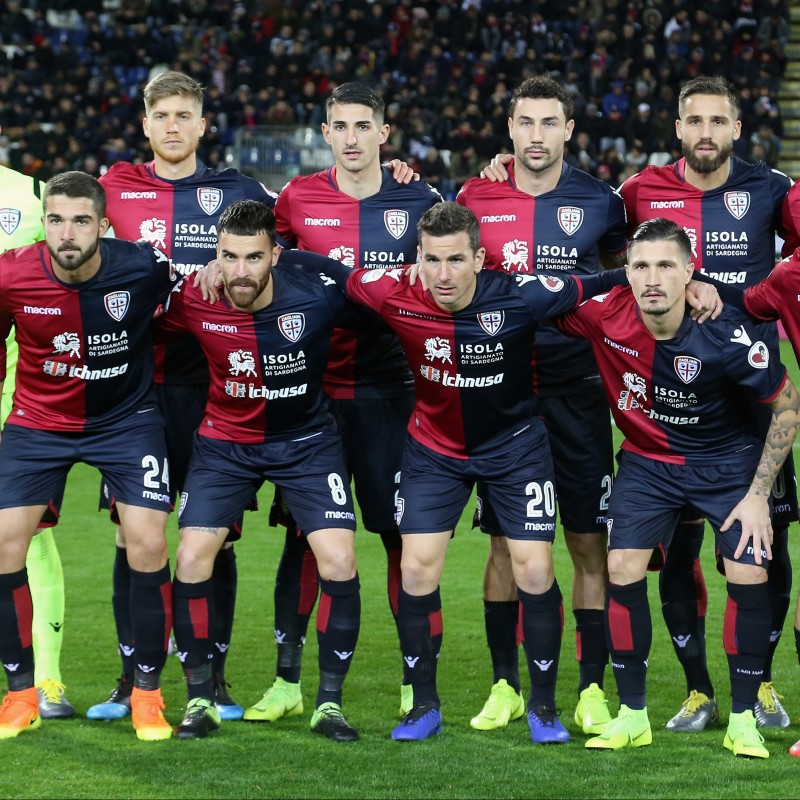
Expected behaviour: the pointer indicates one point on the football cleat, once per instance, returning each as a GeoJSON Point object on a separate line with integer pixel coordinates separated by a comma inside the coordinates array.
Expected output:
{"type": "Point", "coordinates": [282, 699]}
{"type": "Point", "coordinates": [504, 704]}
{"type": "Point", "coordinates": [696, 714]}
{"type": "Point", "coordinates": [742, 737]}
{"type": "Point", "coordinates": [420, 723]}
{"type": "Point", "coordinates": [228, 708]}
{"type": "Point", "coordinates": [19, 712]}
{"type": "Point", "coordinates": [118, 704]}
{"type": "Point", "coordinates": [591, 713]}
{"type": "Point", "coordinates": [329, 721]}
{"type": "Point", "coordinates": [631, 728]}
{"type": "Point", "coordinates": [406, 698]}
{"type": "Point", "coordinates": [768, 711]}
{"type": "Point", "coordinates": [52, 702]}
{"type": "Point", "coordinates": [148, 721]}
{"type": "Point", "coordinates": [546, 727]}
{"type": "Point", "coordinates": [200, 719]}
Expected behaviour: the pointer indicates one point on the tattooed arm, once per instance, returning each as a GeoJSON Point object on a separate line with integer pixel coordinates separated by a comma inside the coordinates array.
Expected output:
{"type": "Point", "coordinates": [753, 509]}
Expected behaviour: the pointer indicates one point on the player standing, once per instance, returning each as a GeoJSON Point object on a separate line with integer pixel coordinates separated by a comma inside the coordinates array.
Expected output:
{"type": "Point", "coordinates": [546, 215]}
{"type": "Point", "coordinates": [174, 202]}
{"type": "Point", "coordinates": [266, 344]}
{"type": "Point", "coordinates": [82, 308]}
{"type": "Point", "coordinates": [731, 211]}
{"type": "Point", "coordinates": [355, 212]}
{"type": "Point", "coordinates": [682, 395]}
{"type": "Point", "coordinates": [21, 224]}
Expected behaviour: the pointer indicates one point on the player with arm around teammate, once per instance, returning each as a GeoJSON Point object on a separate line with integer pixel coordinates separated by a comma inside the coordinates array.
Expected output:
{"type": "Point", "coordinates": [266, 344]}
{"type": "Point", "coordinates": [681, 394]}
{"type": "Point", "coordinates": [174, 202]}
{"type": "Point", "coordinates": [469, 341]}
{"type": "Point", "coordinates": [83, 307]}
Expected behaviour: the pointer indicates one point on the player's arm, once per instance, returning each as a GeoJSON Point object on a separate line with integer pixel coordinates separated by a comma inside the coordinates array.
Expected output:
{"type": "Point", "coordinates": [753, 511]}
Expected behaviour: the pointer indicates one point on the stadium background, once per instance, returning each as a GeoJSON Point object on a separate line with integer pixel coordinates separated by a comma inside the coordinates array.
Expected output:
{"type": "Point", "coordinates": [71, 76]}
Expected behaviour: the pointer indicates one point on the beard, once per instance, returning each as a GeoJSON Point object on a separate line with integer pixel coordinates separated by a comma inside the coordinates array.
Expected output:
{"type": "Point", "coordinates": [243, 292]}
{"type": "Point", "coordinates": [705, 166]}
{"type": "Point", "coordinates": [76, 259]}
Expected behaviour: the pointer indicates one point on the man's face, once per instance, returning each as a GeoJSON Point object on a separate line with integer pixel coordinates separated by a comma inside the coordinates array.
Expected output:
{"type": "Point", "coordinates": [246, 263]}
{"type": "Point", "coordinates": [354, 136]}
{"type": "Point", "coordinates": [658, 273]}
{"type": "Point", "coordinates": [538, 130]}
{"type": "Point", "coordinates": [707, 129]}
{"type": "Point", "coordinates": [72, 230]}
{"type": "Point", "coordinates": [450, 269]}
{"type": "Point", "coordinates": [174, 127]}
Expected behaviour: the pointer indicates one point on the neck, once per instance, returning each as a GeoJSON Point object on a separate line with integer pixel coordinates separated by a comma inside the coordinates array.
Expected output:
{"type": "Point", "coordinates": [359, 185]}
{"type": "Point", "coordinates": [705, 181]}
{"type": "Point", "coordinates": [536, 183]}
{"type": "Point", "coordinates": [173, 171]}
{"type": "Point", "coordinates": [665, 326]}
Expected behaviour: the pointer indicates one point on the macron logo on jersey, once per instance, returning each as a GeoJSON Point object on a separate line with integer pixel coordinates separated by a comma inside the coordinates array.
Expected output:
{"type": "Point", "coordinates": [488, 218]}
{"type": "Point", "coordinates": [320, 222]}
{"type": "Point", "coordinates": [138, 195]}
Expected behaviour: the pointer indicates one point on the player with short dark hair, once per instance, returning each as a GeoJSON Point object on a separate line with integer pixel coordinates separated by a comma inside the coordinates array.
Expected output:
{"type": "Point", "coordinates": [682, 393]}
{"type": "Point", "coordinates": [359, 213]}
{"type": "Point", "coordinates": [731, 211]}
{"type": "Point", "coordinates": [174, 202]}
{"type": "Point", "coordinates": [266, 344]}
{"type": "Point", "coordinates": [82, 307]}
{"type": "Point", "coordinates": [546, 215]}
{"type": "Point", "coordinates": [469, 344]}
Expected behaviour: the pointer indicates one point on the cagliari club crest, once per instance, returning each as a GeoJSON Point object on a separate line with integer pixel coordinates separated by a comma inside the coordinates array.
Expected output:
{"type": "Point", "coordinates": [209, 199]}
{"type": "Point", "coordinates": [492, 321]}
{"type": "Point", "coordinates": [687, 368]}
{"type": "Point", "coordinates": [396, 221]}
{"type": "Point", "coordinates": [116, 304]}
{"type": "Point", "coordinates": [9, 219]}
{"type": "Point", "coordinates": [570, 218]}
{"type": "Point", "coordinates": [292, 325]}
{"type": "Point", "coordinates": [737, 203]}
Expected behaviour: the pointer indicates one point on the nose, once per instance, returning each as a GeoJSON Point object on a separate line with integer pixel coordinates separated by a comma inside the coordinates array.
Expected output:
{"type": "Point", "coordinates": [444, 272]}
{"type": "Point", "coordinates": [350, 136]}
{"type": "Point", "coordinates": [172, 124]}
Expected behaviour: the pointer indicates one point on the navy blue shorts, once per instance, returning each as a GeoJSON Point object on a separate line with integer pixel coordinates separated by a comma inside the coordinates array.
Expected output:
{"type": "Point", "coordinates": [374, 434]}
{"type": "Point", "coordinates": [133, 457]}
{"type": "Point", "coordinates": [310, 471]}
{"type": "Point", "coordinates": [519, 482]}
{"type": "Point", "coordinates": [649, 495]}
{"type": "Point", "coordinates": [579, 427]}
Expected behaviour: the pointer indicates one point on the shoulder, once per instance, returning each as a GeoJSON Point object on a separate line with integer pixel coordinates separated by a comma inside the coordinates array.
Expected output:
{"type": "Point", "coordinates": [122, 171]}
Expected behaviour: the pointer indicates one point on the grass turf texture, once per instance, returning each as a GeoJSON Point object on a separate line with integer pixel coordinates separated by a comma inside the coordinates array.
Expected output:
{"type": "Point", "coordinates": [82, 759]}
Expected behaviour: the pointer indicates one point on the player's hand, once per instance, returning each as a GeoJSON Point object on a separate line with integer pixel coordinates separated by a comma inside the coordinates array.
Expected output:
{"type": "Point", "coordinates": [753, 513]}
{"type": "Point", "coordinates": [209, 279]}
{"type": "Point", "coordinates": [495, 171]}
{"type": "Point", "coordinates": [401, 172]}
{"type": "Point", "coordinates": [414, 272]}
{"type": "Point", "coordinates": [704, 301]}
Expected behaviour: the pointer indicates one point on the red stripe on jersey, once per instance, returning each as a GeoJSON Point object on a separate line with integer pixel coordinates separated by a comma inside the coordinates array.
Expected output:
{"type": "Point", "coordinates": [619, 625]}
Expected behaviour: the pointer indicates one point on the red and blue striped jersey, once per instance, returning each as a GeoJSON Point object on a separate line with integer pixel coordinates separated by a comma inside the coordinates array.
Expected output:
{"type": "Point", "coordinates": [564, 230]}
{"type": "Point", "coordinates": [266, 367]}
{"type": "Point", "coordinates": [685, 400]}
{"type": "Point", "coordinates": [86, 349]}
{"type": "Point", "coordinates": [179, 217]}
{"type": "Point", "coordinates": [378, 232]}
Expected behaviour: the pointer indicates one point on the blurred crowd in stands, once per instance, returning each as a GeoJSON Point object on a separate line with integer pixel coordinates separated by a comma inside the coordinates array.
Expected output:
{"type": "Point", "coordinates": [72, 73]}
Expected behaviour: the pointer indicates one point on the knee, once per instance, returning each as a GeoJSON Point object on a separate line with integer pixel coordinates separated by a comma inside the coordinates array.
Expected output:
{"type": "Point", "coordinates": [337, 566]}
{"type": "Point", "coordinates": [192, 564]}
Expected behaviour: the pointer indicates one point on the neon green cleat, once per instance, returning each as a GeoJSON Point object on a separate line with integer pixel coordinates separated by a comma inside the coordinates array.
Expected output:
{"type": "Point", "coordinates": [282, 699]}
{"type": "Point", "coordinates": [201, 718]}
{"type": "Point", "coordinates": [591, 713]}
{"type": "Point", "coordinates": [328, 720]}
{"type": "Point", "coordinates": [504, 704]}
{"type": "Point", "coordinates": [406, 698]}
{"type": "Point", "coordinates": [631, 728]}
{"type": "Point", "coordinates": [742, 737]}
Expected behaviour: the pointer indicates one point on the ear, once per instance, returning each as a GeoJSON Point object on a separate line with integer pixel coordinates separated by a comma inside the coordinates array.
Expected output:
{"type": "Point", "coordinates": [569, 129]}
{"type": "Point", "coordinates": [104, 226]}
{"type": "Point", "coordinates": [383, 133]}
